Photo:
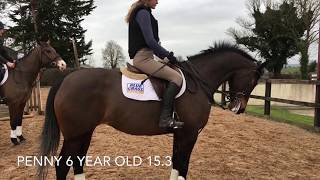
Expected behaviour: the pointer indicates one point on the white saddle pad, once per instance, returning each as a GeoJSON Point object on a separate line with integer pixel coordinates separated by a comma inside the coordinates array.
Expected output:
{"type": "Point", "coordinates": [5, 77]}
{"type": "Point", "coordinates": [132, 89]}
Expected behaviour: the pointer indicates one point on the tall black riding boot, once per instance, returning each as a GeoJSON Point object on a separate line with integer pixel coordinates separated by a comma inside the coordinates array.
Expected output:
{"type": "Point", "coordinates": [166, 119]}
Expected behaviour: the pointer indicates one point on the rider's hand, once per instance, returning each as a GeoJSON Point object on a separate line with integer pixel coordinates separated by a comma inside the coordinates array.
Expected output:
{"type": "Point", "coordinates": [11, 65]}
{"type": "Point", "coordinates": [172, 58]}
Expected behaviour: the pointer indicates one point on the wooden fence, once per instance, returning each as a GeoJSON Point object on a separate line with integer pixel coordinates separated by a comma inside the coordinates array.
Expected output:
{"type": "Point", "coordinates": [268, 98]}
{"type": "Point", "coordinates": [34, 103]}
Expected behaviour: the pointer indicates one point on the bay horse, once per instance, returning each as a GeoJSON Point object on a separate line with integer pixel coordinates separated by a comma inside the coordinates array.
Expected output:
{"type": "Point", "coordinates": [89, 97]}
{"type": "Point", "coordinates": [18, 87]}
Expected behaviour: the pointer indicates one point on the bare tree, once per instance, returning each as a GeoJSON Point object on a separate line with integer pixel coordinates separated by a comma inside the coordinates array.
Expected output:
{"type": "Point", "coordinates": [309, 11]}
{"type": "Point", "coordinates": [112, 55]}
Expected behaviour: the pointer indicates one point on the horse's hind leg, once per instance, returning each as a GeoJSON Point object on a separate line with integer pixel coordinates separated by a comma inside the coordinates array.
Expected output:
{"type": "Point", "coordinates": [79, 163]}
{"type": "Point", "coordinates": [183, 144]}
{"type": "Point", "coordinates": [72, 151]}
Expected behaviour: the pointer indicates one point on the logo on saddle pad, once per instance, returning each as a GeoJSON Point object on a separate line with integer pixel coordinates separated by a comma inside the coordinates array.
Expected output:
{"type": "Point", "coordinates": [137, 88]}
{"type": "Point", "coordinates": [133, 89]}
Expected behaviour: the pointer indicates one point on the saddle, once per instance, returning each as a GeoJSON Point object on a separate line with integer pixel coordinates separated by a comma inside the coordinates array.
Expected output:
{"type": "Point", "coordinates": [159, 85]}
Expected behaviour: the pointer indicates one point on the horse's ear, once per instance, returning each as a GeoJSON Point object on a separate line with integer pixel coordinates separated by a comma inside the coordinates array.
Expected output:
{"type": "Point", "coordinates": [261, 67]}
{"type": "Point", "coordinates": [43, 39]}
{"type": "Point", "coordinates": [39, 42]}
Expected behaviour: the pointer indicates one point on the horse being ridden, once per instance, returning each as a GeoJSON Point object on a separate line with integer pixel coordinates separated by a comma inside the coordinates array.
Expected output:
{"type": "Point", "coordinates": [4, 58]}
{"type": "Point", "coordinates": [18, 87]}
{"type": "Point", "coordinates": [76, 114]}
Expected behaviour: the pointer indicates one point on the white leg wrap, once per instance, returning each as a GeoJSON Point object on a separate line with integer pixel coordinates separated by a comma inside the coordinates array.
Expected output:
{"type": "Point", "coordinates": [181, 178]}
{"type": "Point", "coordinates": [19, 131]}
{"type": "Point", "coordinates": [80, 177]}
{"type": "Point", "coordinates": [13, 134]}
{"type": "Point", "coordinates": [174, 174]}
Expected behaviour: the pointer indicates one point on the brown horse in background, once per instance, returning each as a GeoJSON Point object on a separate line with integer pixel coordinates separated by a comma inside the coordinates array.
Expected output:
{"type": "Point", "coordinates": [18, 87]}
{"type": "Point", "coordinates": [89, 97]}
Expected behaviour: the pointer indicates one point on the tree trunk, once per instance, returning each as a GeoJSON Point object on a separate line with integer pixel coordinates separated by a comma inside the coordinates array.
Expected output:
{"type": "Point", "coordinates": [277, 72]}
{"type": "Point", "coordinates": [33, 5]}
{"type": "Point", "coordinates": [304, 60]}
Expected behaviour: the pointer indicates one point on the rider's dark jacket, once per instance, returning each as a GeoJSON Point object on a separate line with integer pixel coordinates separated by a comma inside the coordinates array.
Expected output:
{"type": "Point", "coordinates": [144, 33]}
{"type": "Point", "coordinates": [4, 56]}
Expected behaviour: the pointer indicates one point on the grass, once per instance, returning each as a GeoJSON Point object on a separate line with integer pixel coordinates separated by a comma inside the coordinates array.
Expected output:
{"type": "Point", "coordinates": [283, 115]}
{"type": "Point", "coordinates": [291, 70]}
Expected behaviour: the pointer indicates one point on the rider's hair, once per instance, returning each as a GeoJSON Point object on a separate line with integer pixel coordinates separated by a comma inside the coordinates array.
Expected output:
{"type": "Point", "coordinates": [135, 5]}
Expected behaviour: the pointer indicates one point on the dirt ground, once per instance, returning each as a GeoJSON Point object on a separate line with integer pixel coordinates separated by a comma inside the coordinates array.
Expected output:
{"type": "Point", "coordinates": [230, 147]}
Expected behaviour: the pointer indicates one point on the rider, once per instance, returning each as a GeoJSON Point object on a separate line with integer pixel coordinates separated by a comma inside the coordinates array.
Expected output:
{"type": "Point", "coordinates": [4, 57]}
{"type": "Point", "coordinates": [143, 44]}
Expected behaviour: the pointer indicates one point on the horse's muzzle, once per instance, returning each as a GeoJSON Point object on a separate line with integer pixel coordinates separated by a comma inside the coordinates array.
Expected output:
{"type": "Point", "coordinates": [238, 105]}
{"type": "Point", "coordinates": [60, 64]}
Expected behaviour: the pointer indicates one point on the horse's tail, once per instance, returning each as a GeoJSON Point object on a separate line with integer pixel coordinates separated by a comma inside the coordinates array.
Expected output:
{"type": "Point", "coordinates": [50, 136]}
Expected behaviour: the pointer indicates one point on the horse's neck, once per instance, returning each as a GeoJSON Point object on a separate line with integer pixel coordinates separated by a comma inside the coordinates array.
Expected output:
{"type": "Point", "coordinates": [215, 71]}
{"type": "Point", "coordinates": [29, 67]}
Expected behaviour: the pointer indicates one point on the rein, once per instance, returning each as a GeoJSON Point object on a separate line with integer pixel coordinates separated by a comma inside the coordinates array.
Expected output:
{"type": "Point", "coordinates": [229, 97]}
{"type": "Point", "coordinates": [195, 75]}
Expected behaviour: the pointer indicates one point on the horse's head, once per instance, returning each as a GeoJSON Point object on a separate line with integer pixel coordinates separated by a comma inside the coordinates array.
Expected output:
{"type": "Point", "coordinates": [49, 56]}
{"type": "Point", "coordinates": [241, 84]}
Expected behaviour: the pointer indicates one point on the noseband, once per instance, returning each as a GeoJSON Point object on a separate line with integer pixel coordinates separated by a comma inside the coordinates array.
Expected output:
{"type": "Point", "coordinates": [53, 59]}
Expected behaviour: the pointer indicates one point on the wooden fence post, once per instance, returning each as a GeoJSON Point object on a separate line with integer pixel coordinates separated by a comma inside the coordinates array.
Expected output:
{"type": "Point", "coordinates": [317, 109]}
{"type": "Point", "coordinates": [223, 96]}
{"type": "Point", "coordinates": [34, 102]}
{"type": "Point", "coordinates": [40, 109]}
{"type": "Point", "coordinates": [317, 100]}
{"type": "Point", "coordinates": [267, 100]}
{"type": "Point", "coordinates": [75, 52]}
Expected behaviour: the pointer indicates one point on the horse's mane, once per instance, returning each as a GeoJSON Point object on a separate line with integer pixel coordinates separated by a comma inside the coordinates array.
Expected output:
{"type": "Point", "coordinates": [25, 56]}
{"type": "Point", "coordinates": [222, 47]}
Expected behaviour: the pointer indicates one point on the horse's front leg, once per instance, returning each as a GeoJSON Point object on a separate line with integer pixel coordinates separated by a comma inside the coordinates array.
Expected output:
{"type": "Point", "coordinates": [16, 113]}
{"type": "Point", "coordinates": [19, 122]}
{"type": "Point", "coordinates": [183, 143]}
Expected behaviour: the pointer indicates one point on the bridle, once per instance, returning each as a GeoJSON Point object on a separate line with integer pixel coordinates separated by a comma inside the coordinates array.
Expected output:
{"type": "Point", "coordinates": [41, 51]}
{"type": "Point", "coordinates": [51, 60]}
{"type": "Point", "coordinates": [230, 95]}
{"type": "Point", "coordinates": [236, 95]}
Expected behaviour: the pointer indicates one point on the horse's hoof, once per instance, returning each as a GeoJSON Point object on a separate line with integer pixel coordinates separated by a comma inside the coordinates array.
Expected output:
{"type": "Point", "coordinates": [21, 138]}
{"type": "Point", "coordinates": [15, 141]}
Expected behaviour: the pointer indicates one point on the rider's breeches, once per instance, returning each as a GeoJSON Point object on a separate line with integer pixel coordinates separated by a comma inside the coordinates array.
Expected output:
{"type": "Point", "coordinates": [144, 61]}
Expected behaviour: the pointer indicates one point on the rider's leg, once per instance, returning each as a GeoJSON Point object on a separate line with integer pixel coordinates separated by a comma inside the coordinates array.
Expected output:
{"type": "Point", "coordinates": [144, 60]}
